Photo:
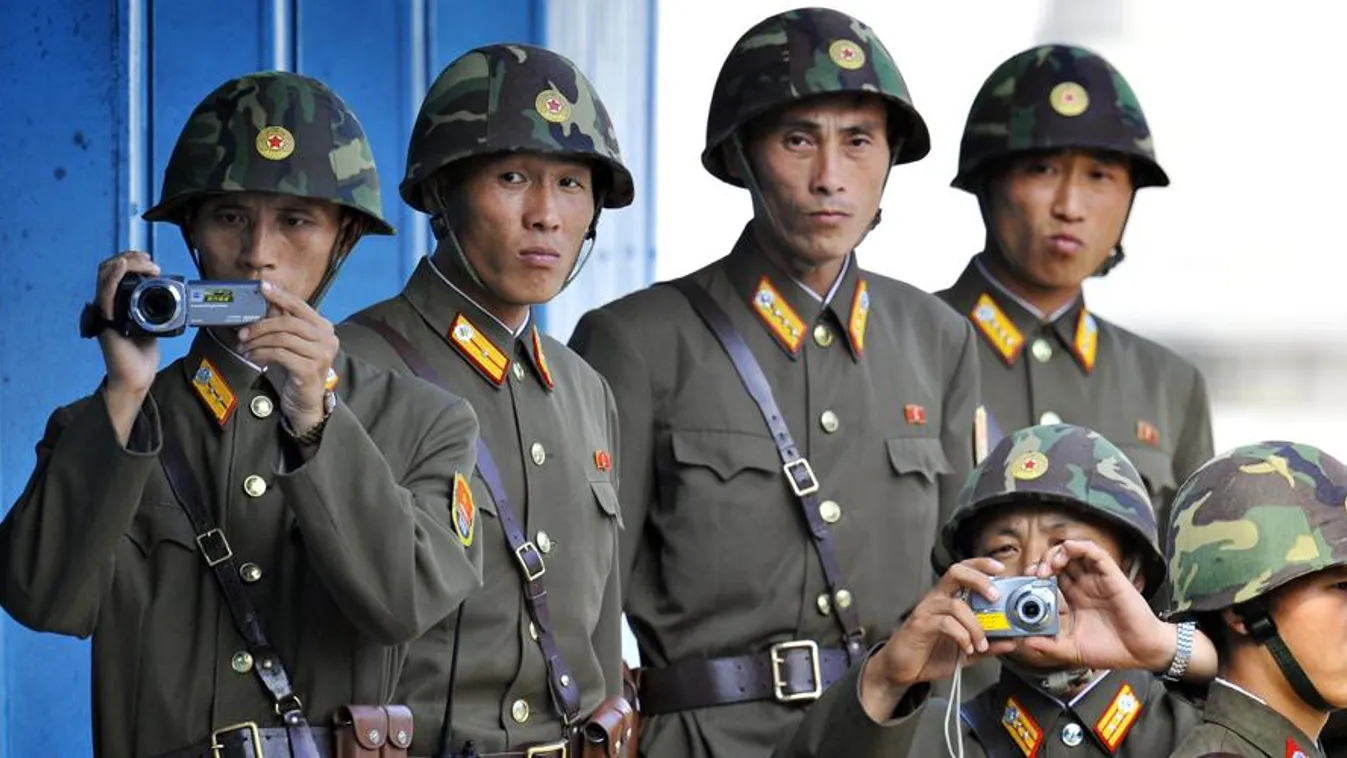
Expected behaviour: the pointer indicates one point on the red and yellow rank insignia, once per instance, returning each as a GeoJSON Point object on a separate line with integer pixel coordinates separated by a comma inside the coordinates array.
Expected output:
{"type": "Point", "coordinates": [1086, 343]}
{"type": "Point", "coordinates": [997, 327]}
{"type": "Point", "coordinates": [275, 143]}
{"type": "Point", "coordinates": [602, 460]}
{"type": "Point", "coordinates": [1293, 750]}
{"type": "Point", "coordinates": [1148, 433]}
{"type": "Point", "coordinates": [1023, 730]}
{"type": "Point", "coordinates": [465, 511]}
{"type": "Point", "coordinates": [214, 392]}
{"type": "Point", "coordinates": [1117, 720]}
{"type": "Point", "coordinates": [542, 359]}
{"type": "Point", "coordinates": [781, 319]}
{"type": "Point", "coordinates": [480, 351]}
{"type": "Point", "coordinates": [914, 415]}
{"type": "Point", "coordinates": [860, 313]}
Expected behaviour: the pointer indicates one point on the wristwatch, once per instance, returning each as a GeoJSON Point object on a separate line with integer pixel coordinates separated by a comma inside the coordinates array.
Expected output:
{"type": "Point", "coordinates": [315, 433]}
{"type": "Point", "coordinates": [1183, 652]}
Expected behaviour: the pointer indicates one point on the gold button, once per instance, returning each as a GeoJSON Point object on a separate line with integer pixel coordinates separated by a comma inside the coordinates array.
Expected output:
{"type": "Point", "coordinates": [242, 662]}
{"type": "Point", "coordinates": [519, 371]}
{"type": "Point", "coordinates": [823, 336]}
{"type": "Point", "coordinates": [1049, 418]}
{"type": "Point", "coordinates": [830, 511]}
{"type": "Point", "coordinates": [251, 572]}
{"type": "Point", "coordinates": [544, 542]}
{"type": "Point", "coordinates": [261, 406]}
{"type": "Point", "coordinates": [843, 599]}
{"type": "Point", "coordinates": [538, 452]}
{"type": "Point", "coordinates": [533, 630]}
{"type": "Point", "coordinates": [828, 421]}
{"type": "Point", "coordinates": [825, 604]}
{"type": "Point", "coordinates": [519, 711]}
{"type": "Point", "coordinates": [255, 486]}
{"type": "Point", "coordinates": [1042, 350]}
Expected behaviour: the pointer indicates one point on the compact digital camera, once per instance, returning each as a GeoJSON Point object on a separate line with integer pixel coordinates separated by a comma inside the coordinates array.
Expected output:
{"type": "Point", "coordinates": [164, 306]}
{"type": "Point", "coordinates": [1027, 608]}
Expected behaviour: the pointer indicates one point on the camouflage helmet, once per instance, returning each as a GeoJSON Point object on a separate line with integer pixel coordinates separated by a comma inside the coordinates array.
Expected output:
{"type": "Point", "coordinates": [508, 98]}
{"type": "Point", "coordinates": [1255, 518]}
{"type": "Point", "coordinates": [1050, 97]}
{"type": "Point", "coordinates": [1060, 464]}
{"type": "Point", "coordinates": [800, 54]}
{"type": "Point", "coordinates": [272, 131]}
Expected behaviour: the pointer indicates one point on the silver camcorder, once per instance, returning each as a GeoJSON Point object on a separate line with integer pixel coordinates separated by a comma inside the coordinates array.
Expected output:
{"type": "Point", "coordinates": [1027, 608]}
{"type": "Point", "coordinates": [164, 306]}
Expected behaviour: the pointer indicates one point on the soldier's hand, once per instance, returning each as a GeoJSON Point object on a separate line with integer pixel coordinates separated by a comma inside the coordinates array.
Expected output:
{"type": "Point", "coordinates": [927, 646]}
{"type": "Point", "coordinates": [131, 362]}
{"type": "Point", "coordinates": [1108, 625]}
{"type": "Point", "coordinates": [294, 337]}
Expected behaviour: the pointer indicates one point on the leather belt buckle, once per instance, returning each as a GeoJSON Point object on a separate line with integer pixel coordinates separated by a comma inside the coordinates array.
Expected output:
{"type": "Point", "coordinates": [558, 749]}
{"type": "Point", "coordinates": [526, 551]}
{"type": "Point", "coordinates": [780, 685]}
{"type": "Point", "coordinates": [251, 734]}
{"type": "Point", "coordinates": [214, 547]}
{"type": "Point", "coordinates": [801, 488]}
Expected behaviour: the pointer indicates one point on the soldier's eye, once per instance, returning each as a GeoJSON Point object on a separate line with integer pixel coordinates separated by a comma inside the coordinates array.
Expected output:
{"type": "Point", "coordinates": [512, 177]}
{"type": "Point", "coordinates": [571, 182]}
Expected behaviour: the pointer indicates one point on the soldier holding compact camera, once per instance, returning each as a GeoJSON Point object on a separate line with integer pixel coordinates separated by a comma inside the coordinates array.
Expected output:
{"type": "Point", "coordinates": [1055, 540]}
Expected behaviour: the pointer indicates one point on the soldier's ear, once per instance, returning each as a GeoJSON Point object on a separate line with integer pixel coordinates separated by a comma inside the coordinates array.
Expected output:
{"type": "Point", "coordinates": [1235, 621]}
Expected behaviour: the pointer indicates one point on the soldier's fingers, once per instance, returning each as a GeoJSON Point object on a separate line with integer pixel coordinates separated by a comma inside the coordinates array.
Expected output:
{"type": "Point", "coordinates": [964, 616]}
{"type": "Point", "coordinates": [287, 341]}
{"type": "Point", "coordinates": [966, 577]}
{"type": "Point", "coordinates": [953, 630]}
{"type": "Point", "coordinates": [291, 304]}
{"type": "Point", "coordinates": [285, 324]}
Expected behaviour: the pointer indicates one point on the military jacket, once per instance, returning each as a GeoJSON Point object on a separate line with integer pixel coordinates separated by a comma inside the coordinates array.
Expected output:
{"type": "Point", "coordinates": [1084, 370]}
{"type": "Point", "coordinates": [878, 387]}
{"type": "Point", "coordinates": [1237, 724]}
{"type": "Point", "coordinates": [347, 556]}
{"type": "Point", "coordinates": [550, 424]}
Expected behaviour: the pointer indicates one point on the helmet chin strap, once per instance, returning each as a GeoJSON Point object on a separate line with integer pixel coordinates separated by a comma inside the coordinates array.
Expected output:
{"type": "Point", "coordinates": [1116, 256]}
{"type": "Point", "coordinates": [1263, 631]}
{"type": "Point", "coordinates": [444, 233]}
{"type": "Point", "coordinates": [1059, 684]}
{"type": "Point", "coordinates": [798, 264]}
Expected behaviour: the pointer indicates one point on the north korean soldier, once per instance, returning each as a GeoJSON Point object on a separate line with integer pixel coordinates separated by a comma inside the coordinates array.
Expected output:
{"type": "Point", "coordinates": [513, 155]}
{"type": "Point", "coordinates": [1050, 501]}
{"type": "Point", "coordinates": [1258, 556]}
{"type": "Point", "coordinates": [1054, 150]}
{"type": "Point", "coordinates": [794, 427]}
{"type": "Point", "coordinates": [253, 534]}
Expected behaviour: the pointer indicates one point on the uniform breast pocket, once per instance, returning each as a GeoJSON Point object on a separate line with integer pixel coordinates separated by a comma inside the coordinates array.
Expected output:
{"type": "Point", "coordinates": [606, 497]}
{"type": "Point", "coordinates": [919, 457]}
{"type": "Point", "coordinates": [162, 528]}
{"type": "Point", "coordinates": [723, 462]}
{"type": "Point", "coordinates": [910, 506]}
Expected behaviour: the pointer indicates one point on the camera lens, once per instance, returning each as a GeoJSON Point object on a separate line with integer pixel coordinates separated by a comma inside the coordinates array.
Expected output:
{"type": "Point", "coordinates": [1030, 610]}
{"type": "Point", "coordinates": [158, 305]}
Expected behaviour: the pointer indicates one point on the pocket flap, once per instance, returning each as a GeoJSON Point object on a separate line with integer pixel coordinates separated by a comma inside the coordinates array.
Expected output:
{"type": "Point", "coordinates": [606, 495]}
{"type": "Point", "coordinates": [369, 724]}
{"type": "Point", "coordinates": [725, 453]}
{"type": "Point", "coordinates": [400, 725]}
{"type": "Point", "coordinates": [155, 523]}
{"type": "Point", "coordinates": [918, 455]}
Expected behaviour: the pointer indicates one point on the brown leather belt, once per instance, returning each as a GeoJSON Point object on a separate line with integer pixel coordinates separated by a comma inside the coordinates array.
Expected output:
{"type": "Point", "coordinates": [789, 672]}
{"type": "Point", "coordinates": [251, 741]}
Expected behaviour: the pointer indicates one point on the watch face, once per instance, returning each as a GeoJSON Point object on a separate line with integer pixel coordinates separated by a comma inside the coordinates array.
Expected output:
{"type": "Point", "coordinates": [329, 401]}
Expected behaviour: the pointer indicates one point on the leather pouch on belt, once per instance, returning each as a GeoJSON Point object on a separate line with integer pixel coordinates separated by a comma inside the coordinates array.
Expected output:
{"type": "Point", "coordinates": [609, 732]}
{"type": "Point", "coordinates": [372, 731]}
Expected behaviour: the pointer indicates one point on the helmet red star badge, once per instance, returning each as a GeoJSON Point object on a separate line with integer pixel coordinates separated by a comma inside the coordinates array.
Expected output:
{"type": "Point", "coordinates": [1069, 99]}
{"type": "Point", "coordinates": [552, 106]}
{"type": "Point", "coordinates": [275, 143]}
{"type": "Point", "coordinates": [846, 54]}
{"type": "Point", "coordinates": [1030, 465]}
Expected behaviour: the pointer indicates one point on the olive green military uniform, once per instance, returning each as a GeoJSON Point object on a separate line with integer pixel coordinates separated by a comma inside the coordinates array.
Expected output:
{"type": "Point", "coordinates": [1140, 395]}
{"type": "Point", "coordinates": [721, 563]}
{"type": "Point", "coordinates": [877, 383]}
{"type": "Point", "coordinates": [550, 424]}
{"type": "Point", "coordinates": [548, 419]}
{"type": "Point", "coordinates": [347, 557]}
{"type": "Point", "coordinates": [345, 549]}
{"type": "Point", "coordinates": [1288, 498]}
{"type": "Point", "coordinates": [1239, 725]}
